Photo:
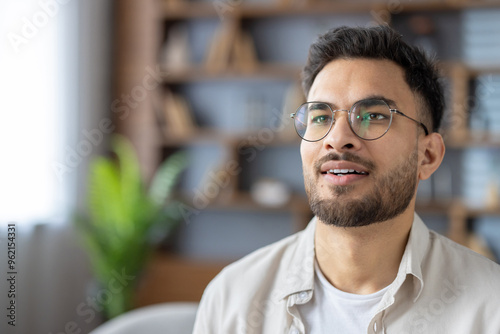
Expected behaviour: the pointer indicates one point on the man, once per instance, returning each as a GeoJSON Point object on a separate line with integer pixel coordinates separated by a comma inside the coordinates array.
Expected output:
{"type": "Point", "coordinates": [366, 263]}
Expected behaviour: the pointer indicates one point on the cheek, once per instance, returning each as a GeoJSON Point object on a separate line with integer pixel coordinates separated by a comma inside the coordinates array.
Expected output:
{"type": "Point", "coordinates": [390, 151]}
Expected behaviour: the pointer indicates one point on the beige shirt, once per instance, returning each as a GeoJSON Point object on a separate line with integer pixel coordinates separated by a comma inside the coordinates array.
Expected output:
{"type": "Point", "coordinates": [441, 287]}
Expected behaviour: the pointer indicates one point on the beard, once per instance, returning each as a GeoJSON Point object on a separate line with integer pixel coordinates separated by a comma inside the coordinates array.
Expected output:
{"type": "Point", "coordinates": [390, 195]}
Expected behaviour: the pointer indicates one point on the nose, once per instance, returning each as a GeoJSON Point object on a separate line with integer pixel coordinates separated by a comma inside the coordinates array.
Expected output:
{"type": "Point", "coordinates": [341, 137]}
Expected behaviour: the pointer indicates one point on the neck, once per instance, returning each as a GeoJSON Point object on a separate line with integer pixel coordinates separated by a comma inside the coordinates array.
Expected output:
{"type": "Point", "coordinates": [366, 259]}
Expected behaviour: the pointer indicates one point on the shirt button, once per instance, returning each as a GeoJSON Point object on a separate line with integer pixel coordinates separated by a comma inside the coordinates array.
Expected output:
{"type": "Point", "coordinates": [294, 331]}
{"type": "Point", "coordinates": [303, 295]}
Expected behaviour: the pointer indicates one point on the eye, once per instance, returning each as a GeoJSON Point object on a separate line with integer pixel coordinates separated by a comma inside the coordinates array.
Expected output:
{"type": "Point", "coordinates": [321, 119]}
{"type": "Point", "coordinates": [374, 117]}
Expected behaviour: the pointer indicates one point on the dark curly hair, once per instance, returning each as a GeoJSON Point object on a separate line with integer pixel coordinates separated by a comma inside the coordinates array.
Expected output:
{"type": "Point", "coordinates": [380, 42]}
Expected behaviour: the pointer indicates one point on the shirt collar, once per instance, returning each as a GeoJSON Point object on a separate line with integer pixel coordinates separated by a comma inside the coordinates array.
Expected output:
{"type": "Point", "coordinates": [299, 275]}
{"type": "Point", "coordinates": [411, 262]}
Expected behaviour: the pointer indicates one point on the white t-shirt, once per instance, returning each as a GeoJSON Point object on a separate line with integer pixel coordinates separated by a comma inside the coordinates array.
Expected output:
{"type": "Point", "coordinates": [334, 311]}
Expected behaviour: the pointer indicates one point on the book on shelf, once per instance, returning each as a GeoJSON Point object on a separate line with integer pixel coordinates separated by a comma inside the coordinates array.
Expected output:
{"type": "Point", "coordinates": [219, 53]}
{"type": "Point", "coordinates": [178, 119]}
{"type": "Point", "coordinates": [244, 56]}
{"type": "Point", "coordinates": [231, 48]}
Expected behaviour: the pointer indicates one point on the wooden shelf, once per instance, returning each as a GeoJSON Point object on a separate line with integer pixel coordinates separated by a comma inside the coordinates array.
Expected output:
{"type": "Point", "coordinates": [475, 71]}
{"type": "Point", "coordinates": [319, 8]}
{"type": "Point", "coordinates": [471, 139]}
{"type": "Point", "coordinates": [188, 10]}
{"type": "Point", "coordinates": [444, 207]}
{"type": "Point", "coordinates": [205, 136]}
{"type": "Point", "coordinates": [199, 73]}
{"type": "Point", "coordinates": [433, 207]}
{"type": "Point", "coordinates": [193, 10]}
{"type": "Point", "coordinates": [483, 212]}
{"type": "Point", "coordinates": [208, 10]}
{"type": "Point", "coordinates": [243, 201]}
{"type": "Point", "coordinates": [480, 4]}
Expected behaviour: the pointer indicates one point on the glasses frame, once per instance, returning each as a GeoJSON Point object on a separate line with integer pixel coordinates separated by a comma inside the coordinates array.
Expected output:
{"type": "Point", "coordinates": [392, 110]}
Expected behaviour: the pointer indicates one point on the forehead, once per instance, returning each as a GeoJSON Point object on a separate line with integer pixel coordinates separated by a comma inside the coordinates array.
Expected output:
{"type": "Point", "coordinates": [345, 81]}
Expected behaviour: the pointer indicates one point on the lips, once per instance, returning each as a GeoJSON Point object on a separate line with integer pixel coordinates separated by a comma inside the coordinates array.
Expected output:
{"type": "Point", "coordinates": [343, 173]}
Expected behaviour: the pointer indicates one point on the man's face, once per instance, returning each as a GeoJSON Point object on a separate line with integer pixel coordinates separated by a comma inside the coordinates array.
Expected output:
{"type": "Point", "coordinates": [385, 177]}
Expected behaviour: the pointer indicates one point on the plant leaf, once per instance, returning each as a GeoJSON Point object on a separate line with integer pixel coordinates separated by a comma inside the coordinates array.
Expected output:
{"type": "Point", "coordinates": [104, 194]}
{"type": "Point", "coordinates": [166, 178]}
{"type": "Point", "coordinates": [129, 174]}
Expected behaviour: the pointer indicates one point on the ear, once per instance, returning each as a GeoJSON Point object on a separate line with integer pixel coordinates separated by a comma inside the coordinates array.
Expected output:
{"type": "Point", "coordinates": [431, 153]}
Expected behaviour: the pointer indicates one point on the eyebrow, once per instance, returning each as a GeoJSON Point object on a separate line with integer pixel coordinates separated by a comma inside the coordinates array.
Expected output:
{"type": "Point", "coordinates": [390, 102]}
{"type": "Point", "coordinates": [317, 106]}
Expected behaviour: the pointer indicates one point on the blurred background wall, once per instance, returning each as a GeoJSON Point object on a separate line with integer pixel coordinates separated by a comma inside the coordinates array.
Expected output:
{"type": "Point", "coordinates": [217, 80]}
{"type": "Point", "coordinates": [56, 85]}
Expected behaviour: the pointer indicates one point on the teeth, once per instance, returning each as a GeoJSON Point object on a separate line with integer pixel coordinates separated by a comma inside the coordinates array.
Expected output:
{"type": "Point", "coordinates": [344, 171]}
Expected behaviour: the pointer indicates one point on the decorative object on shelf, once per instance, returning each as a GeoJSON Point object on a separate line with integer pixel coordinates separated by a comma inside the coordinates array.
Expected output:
{"type": "Point", "coordinates": [125, 220]}
{"type": "Point", "coordinates": [175, 54]}
{"type": "Point", "coordinates": [270, 192]}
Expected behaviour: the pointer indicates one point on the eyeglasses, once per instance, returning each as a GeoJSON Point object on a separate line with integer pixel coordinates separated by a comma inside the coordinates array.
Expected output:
{"type": "Point", "coordinates": [369, 119]}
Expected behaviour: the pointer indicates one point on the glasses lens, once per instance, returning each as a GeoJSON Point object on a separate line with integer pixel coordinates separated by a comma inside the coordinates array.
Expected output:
{"type": "Point", "coordinates": [313, 120]}
{"type": "Point", "coordinates": [370, 119]}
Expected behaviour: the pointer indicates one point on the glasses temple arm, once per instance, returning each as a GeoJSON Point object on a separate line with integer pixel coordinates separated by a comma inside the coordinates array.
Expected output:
{"type": "Point", "coordinates": [293, 116]}
{"type": "Point", "coordinates": [418, 122]}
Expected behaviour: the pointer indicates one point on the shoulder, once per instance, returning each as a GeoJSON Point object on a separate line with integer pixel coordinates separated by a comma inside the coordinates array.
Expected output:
{"type": "Point", "coordinates": [258, 274]}
{"type": "Point", "coordinates": [462, 280]}
{"type": "Point", "coordinates": [245, 287]}
{"type": "Point", "coordinates": [462, 254]}
{"type": "Point", "coordinates": [457, 260]}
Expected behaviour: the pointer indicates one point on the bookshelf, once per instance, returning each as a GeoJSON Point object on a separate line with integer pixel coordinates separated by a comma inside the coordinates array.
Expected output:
{"type": "Point", "coordinates": [223, 70]}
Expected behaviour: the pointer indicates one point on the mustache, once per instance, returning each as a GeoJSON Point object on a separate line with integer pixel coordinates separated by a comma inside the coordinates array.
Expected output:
{"type": "Point", "coordinates": [347, 156]}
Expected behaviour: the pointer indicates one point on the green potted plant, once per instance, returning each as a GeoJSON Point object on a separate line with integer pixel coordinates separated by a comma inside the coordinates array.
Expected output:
{"type": "Point", "coordinates": [125, 220]}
